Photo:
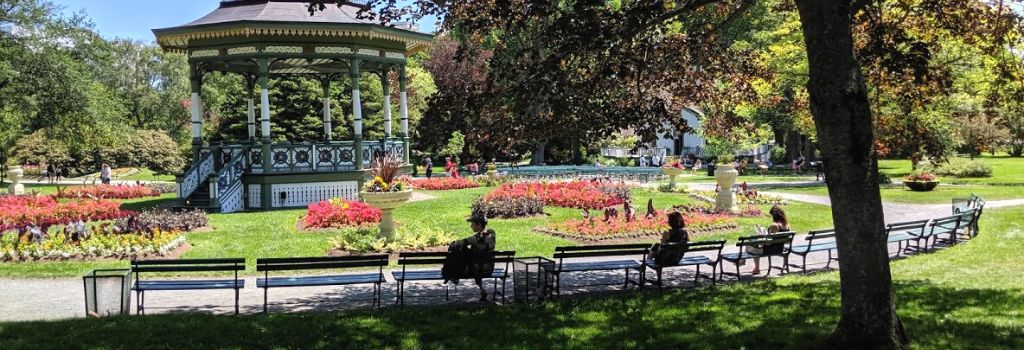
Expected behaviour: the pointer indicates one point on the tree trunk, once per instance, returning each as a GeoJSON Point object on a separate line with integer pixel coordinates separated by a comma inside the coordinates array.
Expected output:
{"type": "Point", "coordinates": [842, 115]}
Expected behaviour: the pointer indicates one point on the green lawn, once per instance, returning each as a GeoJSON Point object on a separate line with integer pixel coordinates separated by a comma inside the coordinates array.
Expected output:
{"type": "Point", "coordinates": [273, 234]}
{"type": "Point", "coordinates": [967, 297]}
{"type": "Point", "coordinates": [1005, 171]}
{"type": "Point", "coordinates": [942, 194]}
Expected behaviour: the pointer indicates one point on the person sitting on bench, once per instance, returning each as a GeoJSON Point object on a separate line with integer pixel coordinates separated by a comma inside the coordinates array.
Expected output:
{"type": "Point", "coordinates": [470, 257]}
{"type": "Point", "coordinates": [676, 232]}
{"type": "Point", "coordinates": [779, 224]}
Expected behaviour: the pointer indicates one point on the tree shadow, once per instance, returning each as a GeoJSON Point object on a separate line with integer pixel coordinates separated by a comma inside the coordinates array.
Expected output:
{"type": "Point", "coordinates": [769, 314]}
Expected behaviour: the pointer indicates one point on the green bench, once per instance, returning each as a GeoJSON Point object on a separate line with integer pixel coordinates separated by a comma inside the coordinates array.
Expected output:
{"type": "Point", "coordinates": [691, 254]}
{"type": "Point", "coordinates": [816, 241]}
{"type": "Point", "coordinates": [185, 265]}
{"type": "Point", "coordinates": [568, 261]}
{"type": "Point", "coordinates": [405, 260]}
{"type": "Point", "coordinates": [902, 233]}
{"type": "Point", "coordinates": [322, 263]}
{"type": "Point", "coordinates": [772, 245]}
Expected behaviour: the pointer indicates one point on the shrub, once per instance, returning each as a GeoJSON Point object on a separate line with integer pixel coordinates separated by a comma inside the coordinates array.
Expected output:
{"type": "Point", "coordinates": [164, 220]}
{"type": "Point", "coordinates": [507, 207]}
{"type": "Point", "coordinates": [959, 167]}
{"type": "Point", "coordinates": [163, 187]}
{"type": "Point", "coordinates": [408, 237]}
{"type": "Point", "coordinates": [109, 192]}
{"type": "Point", "coordinates": [337, 213]}
{"type": "Point", "coordinates": [443, 183]}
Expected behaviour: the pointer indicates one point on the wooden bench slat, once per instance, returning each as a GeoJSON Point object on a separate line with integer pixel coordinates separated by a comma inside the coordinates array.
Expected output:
{"type": "Point", "coordinates": [186, 268]}
{"type": "Point", "coordinates": [603, 247]}
{"type": "Point", "coordinates": [188, 284]}
{"type": "Point", "coordinates": [590, 254]}
{"type": "Point", "coordinates": [322, 259]}
{"type": "Point", "coordinates": [326, 280]}
{"type": "Point", "coordinates": [188, 261]}
{"type": "Point", "coordinates": [597, 266]}
{"type": "Point", "coordinates": [317, 266]}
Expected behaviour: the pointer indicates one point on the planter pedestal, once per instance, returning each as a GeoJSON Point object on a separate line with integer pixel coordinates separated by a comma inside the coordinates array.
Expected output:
{"type": "Point", "coordinates": [387, 202]}
{"type": "Point", "coordinates": [15, 173]}
{"type": "Point", "coordinates": [726, 199]}
{"type": "Point", "coordinates": [671, 172]}
{"type": "Point", "coordinates": [921, 186]}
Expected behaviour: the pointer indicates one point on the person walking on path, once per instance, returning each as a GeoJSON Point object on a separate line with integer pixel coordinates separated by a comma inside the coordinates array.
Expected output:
{"type": "Point", "coordinates": [105, 174]}
{"type": "Point", "coordinates": [428, 167]}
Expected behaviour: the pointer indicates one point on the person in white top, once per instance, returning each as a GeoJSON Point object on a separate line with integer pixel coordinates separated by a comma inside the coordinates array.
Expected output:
{"type": "Point", "coordinates": [105, 174]}
{"type": "Point", "coordinates": [655, 160]}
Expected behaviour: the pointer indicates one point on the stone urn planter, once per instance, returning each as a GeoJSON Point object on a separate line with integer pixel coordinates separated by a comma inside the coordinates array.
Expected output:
{"type": "Point", "coordinates": [15, 173]}
{"type": "Point", "coordinates": [387, 202]}
{"type": "Point", "coordinates": [725, 176]}
{"type": "Point", "coordinates": [921, 186]}
{"type": "Point", "coordinates": [672, 172]}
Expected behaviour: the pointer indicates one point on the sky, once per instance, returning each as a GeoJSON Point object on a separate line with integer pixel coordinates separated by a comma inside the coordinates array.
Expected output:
{"type": "Point", "coordinates": [135, 19]}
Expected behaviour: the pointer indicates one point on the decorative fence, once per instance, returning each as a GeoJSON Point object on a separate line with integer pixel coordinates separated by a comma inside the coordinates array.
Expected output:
{"type": "Point", "coordinates": [195, 176]}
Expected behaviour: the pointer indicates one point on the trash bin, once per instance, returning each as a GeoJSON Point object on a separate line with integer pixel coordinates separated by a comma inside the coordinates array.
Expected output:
{"type": "Point", "coordinates": [530, 278]}
{"type": "Point", "coordinates": [711, 169]}
{"type": "Point", "coordinates": [108, 292]}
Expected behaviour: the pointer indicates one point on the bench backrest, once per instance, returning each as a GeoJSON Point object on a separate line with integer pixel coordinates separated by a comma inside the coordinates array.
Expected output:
{"type": "Point", "coordinates": [422, 258]}
{"type": "Point", "coordinates": [820, 236]}
{"type": "Point", "coordinates": [188, 265]}
{"type": "Point", "coordinates": [601, 250]}
{"type": "Point", "coordinates": [948, 224]}
{"type": "Point", "coordinates": [918, 225]}
{"type": "Point", "coordinates": [316, 263]}
{"type": "Point", "coordinates": [677, 251]}
{"type": "Point", "coordinates": [769, 239]}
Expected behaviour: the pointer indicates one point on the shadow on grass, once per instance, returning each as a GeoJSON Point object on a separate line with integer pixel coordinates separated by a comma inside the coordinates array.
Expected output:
{"type": "Point", "coordinates": [139, 205]}
{"type": "Point", "coordinates": [762, 315]}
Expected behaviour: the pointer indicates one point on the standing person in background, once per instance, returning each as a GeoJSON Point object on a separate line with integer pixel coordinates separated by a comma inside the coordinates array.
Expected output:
{"type": "Point", "coordinates": [696, 167]}
{"type": "Point", "coordinates": [513, 159]}
{"type": "Point", "coordinates": [105, 174]}
{"type": "Point", "coordinates": [428, 166]}
{"type": "Point", "coordinates": [655, 160]}
{"type": "Point", "coordinates": [49, 172]}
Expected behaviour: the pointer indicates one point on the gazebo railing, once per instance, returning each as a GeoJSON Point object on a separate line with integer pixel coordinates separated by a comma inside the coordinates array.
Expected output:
{"type": "Point", "coordinates": [229, 184]}
{"type": "Point", "coordinates": [309, 157]}
{"type": "Point", "coordinates": [191, 179]}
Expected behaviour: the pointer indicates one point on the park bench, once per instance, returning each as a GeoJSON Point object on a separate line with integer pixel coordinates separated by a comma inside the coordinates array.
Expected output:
{"type": "Point", "coordinates": [947, 229]}
{"type": "Point", "coordinates": [185, 265]}
{"type": "Point", "coordinates": [902, 233]}
{"type": "Point", "coordinates": [321, 263]}
{"type": "Point", "coordinates": [434, 274]}
{"type": "Point", "coordinates": [776, 244]}
{"type": "Point", "coordinates": [973, 202]}
{"type": "Point", "coordinates": [816, 241]}
{"type": "Point", "coordinates": [575, 265]}
{"type": "Point", "coordinates": [691, 254]}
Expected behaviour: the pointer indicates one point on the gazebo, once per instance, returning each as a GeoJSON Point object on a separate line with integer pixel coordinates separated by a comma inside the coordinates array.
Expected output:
{"type": "Point", "coordinates": [258, 39]}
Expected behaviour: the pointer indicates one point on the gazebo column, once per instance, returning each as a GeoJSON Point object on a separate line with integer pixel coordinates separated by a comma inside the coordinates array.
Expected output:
{"type": "Point", "coordinates": [325, 82]}
{"type": "Point", "coordinates": [266, 197]}
{"type": "Point", "coordinates": [357, 114]}
{"type": "Point", "coordinates": [196, 109]}
{"type": "Point", "coordinates": [250, 83]}
{"type": "Point", "coordinates": [385, 84]}
{"type": "Point", "coordinates": [403, 107]}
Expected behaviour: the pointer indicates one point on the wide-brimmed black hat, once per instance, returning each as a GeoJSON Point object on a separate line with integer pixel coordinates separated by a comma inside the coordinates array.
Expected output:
{"type": "Point", "coordinates": [478, 218]}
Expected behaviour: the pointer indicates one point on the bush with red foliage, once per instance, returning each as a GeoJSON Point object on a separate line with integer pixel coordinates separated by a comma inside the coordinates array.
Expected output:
{"type": "Point", "coordinates": [574, 194]}
{"type": "Point", "coordinates": [22, 211]}
{"type": "Point", "coordinates": [337, 213]}
{"type": "Point", "coordinates": [109, 192]}
{"type": "Point", "coordinates": [596, 228]}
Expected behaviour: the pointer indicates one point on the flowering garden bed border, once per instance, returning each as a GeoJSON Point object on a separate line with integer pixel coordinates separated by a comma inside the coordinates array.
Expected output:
{"type": "Point", "coordinates": [174, 249]}
{"type": "Point", "coordinates": [636, 235]}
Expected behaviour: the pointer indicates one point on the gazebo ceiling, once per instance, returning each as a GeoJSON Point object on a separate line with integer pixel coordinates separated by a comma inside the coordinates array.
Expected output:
{"type": "Point", "coordinates": [279, 21]}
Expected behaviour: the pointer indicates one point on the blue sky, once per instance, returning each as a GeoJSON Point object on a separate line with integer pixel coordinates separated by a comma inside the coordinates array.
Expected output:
{"type": "Point", "coordinates": [134, 19]}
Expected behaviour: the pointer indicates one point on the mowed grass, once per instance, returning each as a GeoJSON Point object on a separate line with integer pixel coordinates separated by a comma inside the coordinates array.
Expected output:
{"type": "Point", "coordinates": [944, 193]}
{"type": "Point", "coordinates": [268, 234]}
{"type": "Point", "coordinates": [1006, 171]}
{"type": "Point", "coordinates": [970, 296]}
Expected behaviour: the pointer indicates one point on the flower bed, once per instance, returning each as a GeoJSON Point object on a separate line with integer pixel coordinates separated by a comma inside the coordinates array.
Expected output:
{"type": "Point", "coordinates": [163, 219]}
{"type": "Point", "coordinates": [574, 194]}
{"type": "Point", "coordinates": [337, 213]}
{"type": "Point", "coordinates": [109, 192]}
{"type": "Point", "coordinates": [508, 207]}
{"type": "Point", "coordinates": [595, 229]}
{"type": "Point", "coordinates": [17, 212]}
{"type": "Point", "coordinates": [410, 237]}
{"type": "Point", "coordinates": [102, 242]}
{"type": "Point", "coordinates": [443, 183]}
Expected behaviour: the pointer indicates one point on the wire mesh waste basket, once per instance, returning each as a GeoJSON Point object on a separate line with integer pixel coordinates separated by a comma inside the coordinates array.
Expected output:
{"type": "Point", "coordinates": [530, 278]}
{"type": "Point", "coordinates": [108, 292]}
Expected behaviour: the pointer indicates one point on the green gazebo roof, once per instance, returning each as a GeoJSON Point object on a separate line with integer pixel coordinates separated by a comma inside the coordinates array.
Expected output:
{"type": "Point", "coordinates": [246, 21]}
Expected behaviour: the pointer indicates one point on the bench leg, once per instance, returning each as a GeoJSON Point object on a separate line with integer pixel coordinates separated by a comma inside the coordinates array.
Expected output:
{"type": "Point", "coordinates": [626, 284]}
{"type": "Point", "coordinates": [376, 294]}
{"type": "Point", "coordinates": [236, 301]}
{"type": "Point", "coordinates": [265, 291]}
{"type": "Point", "coordinates": [661, 285]}
{"type": "Point", "coordinates": [398, 293]}
{"type": "Point", "coordinates": [769, 266]}
{"type": "Point", "coordinates": [696, 276]}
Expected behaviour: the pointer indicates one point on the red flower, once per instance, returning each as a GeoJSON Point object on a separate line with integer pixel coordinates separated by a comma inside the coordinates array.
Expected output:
{"type": "Point", "coordinates": [340, 213]}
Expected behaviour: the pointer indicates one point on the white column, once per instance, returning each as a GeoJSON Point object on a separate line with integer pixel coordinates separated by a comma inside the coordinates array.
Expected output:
{"type": "Point", "coordinates": [197, 112]}
{"type": "Point", "coordinates": [357, 104]}
{"type": "Point", "coordinates": [252, 118]}
{"type": "Point", "coordinates": [328, 126]}
{"type": "Point", "coordinates": [386, 86]}
{"type": "Point", "coordinates": [403, 103]}
{"type": "Point", "coordinates": [265, 112]}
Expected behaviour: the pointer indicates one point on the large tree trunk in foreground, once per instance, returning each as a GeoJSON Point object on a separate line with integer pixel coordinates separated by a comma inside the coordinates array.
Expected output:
{"type": "Point", "coordinates": [839, 104]}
